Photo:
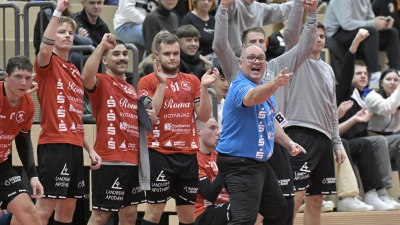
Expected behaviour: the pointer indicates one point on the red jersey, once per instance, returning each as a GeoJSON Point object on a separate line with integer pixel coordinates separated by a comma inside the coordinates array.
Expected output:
{"type": "Point", "coordinates": [114, 104]}
{"type": "Point", "coordinates": [60, 96]}
{"type": "Point", "coordinates": [175, 130]}
{"type": "Point", "coordinates": [208, 169]}
{"type": "Point", "coordinates": [13, 119]}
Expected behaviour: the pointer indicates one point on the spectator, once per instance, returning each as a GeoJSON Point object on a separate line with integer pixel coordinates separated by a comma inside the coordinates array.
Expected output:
{"type": "Point", "coordinates": [351, 82]}
{"type": "Point", "coordinates": [129, 18]}
{"type": "Point", "coordinates": [190, 53]}
{"type": "Point", "coordinates": [161, 18]}
{"type": "Point", "coordinates": [89, 20]}
{"type": "Point", "coordinates": [344, 18]}
{"type": "Point", "coordinates": [276, 44]}
{"type": "Point", "coordinates": [204, 22]}
{"type": "Point", "coordinates": [384, 105]}
{"type": "Point", "coordinates": [387, 8]}
{"type": "Point", "coordinates": [220, 87]}
{"type": "Point", "coordinates": [244, 14]}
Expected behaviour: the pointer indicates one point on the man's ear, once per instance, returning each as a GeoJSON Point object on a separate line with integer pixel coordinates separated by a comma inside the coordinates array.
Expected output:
{"type": "Point", "coordinates": [5, 75]}
{"type": "Point", "coordinates": [157, 55]}
{"type": "Point", "coordinates": [104, 60]}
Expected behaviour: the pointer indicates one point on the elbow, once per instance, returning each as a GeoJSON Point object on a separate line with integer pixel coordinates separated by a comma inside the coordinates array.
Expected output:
{"type": "Point", "coordinates": [204, 117]}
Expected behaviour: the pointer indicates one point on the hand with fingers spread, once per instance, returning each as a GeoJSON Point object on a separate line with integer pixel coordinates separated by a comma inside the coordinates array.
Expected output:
{"type": "Point", "coordinates": [363, 116]}
{"type": "Point", "coordinates": [310, 5]}
{"type": "Point", "coordinates": [344, 107]}
{"type": "Point", "coordinates": [294, 149]}
{"type": "Point", "coordinates": [158, 73]}
{"type": "Point", "coordinates": [283, 78]}
{"type": "Point", "coordinates": [209, 77]}
{"type": "Point", "coordinates": [109, 41]}
{"type": "Point", "coordinates": [62, 5]}
{"type": "Point", "coordinates": [340, 156]}
{"type": "Point", "coordinates": [37, 188]}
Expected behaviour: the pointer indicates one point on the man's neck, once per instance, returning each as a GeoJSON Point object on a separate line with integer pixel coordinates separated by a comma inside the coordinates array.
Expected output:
{"type": "Point", "coordinates": [316, 54]}
{"type": "Point", "coordinates": [61, 53]}
{"type": "Point", "coordinates": [92, 19]}
{"type": "Point", "coordinates": [118, 76]}
{"type": "Point", "coordinates": [204, 149]}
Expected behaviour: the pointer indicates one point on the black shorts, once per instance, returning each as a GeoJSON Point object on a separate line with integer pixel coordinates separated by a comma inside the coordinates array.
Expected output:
{"type": "Point", "coordinates": [315, 170]}
{"type": "Point", "coordinates": [280, 163]}
{"type": "Point", "coordinates": [115, 187]}
{"type": "Point", "coordinates": [10, 184]}
{"type": "Point", "coordinates": [218, 214]}
{"type": "Point", "coordinates": [174, 175]}
{"type": "Point", "coordinates": [60, 169]}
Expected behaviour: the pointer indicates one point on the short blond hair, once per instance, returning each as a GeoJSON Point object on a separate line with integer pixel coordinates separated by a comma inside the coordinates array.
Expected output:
{"type": "Point", "coordinates": [68, 20]}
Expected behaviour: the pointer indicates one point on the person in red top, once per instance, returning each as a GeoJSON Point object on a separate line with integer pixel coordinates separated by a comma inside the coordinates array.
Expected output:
{"type": "Point", "coordinates": [60, 94]}
{"type": "Point", "coordinates": [173, 143]}
{"type": "Point", "coordinates": [16, 116]}
{"type": "Point", "coordinates": [115, 186]}
{"type": "Point", "coordinates": [212, 204]}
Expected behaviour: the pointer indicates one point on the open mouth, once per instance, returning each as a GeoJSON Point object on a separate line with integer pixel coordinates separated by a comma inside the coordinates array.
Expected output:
{"type": "Point", "coordinates": [255, 69]}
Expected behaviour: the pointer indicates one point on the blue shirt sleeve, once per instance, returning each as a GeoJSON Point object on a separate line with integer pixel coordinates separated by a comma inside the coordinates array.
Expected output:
{"type": "Point", "coordinates": [240, 90]}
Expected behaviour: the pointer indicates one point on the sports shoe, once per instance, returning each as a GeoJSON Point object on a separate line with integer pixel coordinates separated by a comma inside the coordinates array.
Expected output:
{"type": "Point", "coordinates": [374, 81]}
{"type": "Point", "coordinates": [390, 201]}
{"type": "Point", "coordinates": [351, 204]}
{"type": "Point", "coordinates": [371, 198]}
{"type": "Point", "coordinates": [327, 206]}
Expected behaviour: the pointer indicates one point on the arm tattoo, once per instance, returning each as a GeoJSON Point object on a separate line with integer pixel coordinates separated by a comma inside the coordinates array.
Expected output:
{"type": "Point", "coordinates": [48, 41]}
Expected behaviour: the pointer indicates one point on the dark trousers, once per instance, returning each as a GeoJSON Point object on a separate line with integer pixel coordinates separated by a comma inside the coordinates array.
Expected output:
{"type": "Point", "coordinates": [385, 40]}
{"type": "Point", "coordinates": [253, 188]}
{"type": "Point", "coordinates": [360, 151]}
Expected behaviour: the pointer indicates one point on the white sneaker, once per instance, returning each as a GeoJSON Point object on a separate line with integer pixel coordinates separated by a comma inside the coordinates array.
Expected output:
{"type": "Point", "coordinates": [351, 204]}
{"type": "Point", "coordinates": [327, 206]}
{"type": "Point", "coordinates": [390, 201]}
{"type": "Point", "coordinates": [371, 198]}
{"type": "Point", "coordinates": [374, 81]}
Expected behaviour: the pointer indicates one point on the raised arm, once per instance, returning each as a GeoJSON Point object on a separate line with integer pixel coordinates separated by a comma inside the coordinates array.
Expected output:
{"type": "Point", "coordinates": [293, 25]}
{"type": "Point", "coordinates": [203, 107]}
{"type": "Point", "coordinates": [49, 36]}
{"type": "Point", "coordinates": [221, 46]}
{"type": "Point", "coordinates": [92, 63]}
{"type": "Point", "coordinates": [385, 107]}
{"type": "Point", "coordinates": [344, 87]}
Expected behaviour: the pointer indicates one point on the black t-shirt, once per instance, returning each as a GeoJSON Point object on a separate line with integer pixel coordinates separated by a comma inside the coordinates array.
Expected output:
{"type": "Point", "coordinates": [206, 29]}
{"type": "Point", "coordinates": [387, 8]}
{"type": "Point", "coordinates": [276, 45]}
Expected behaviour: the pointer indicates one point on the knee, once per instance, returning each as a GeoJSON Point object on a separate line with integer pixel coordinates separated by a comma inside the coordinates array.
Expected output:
{"type": "Point", "coordinates": [99, 217]}
{"type": "Point", "coordinates": [45, 214]}
{"type": "Point", "coordinates": [128, 215]}
{"type": "Point", "coordinates": [372, 31]}
{"type": "Point", "coordinates": [32, 212]}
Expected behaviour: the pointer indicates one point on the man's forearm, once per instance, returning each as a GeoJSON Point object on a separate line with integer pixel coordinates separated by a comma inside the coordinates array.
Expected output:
{"type": "Point", "coordinates": [24, 146]}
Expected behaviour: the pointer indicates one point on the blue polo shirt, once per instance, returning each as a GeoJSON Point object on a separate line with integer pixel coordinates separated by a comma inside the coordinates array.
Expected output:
{"type": "Point", "coordinates": [247, 131]}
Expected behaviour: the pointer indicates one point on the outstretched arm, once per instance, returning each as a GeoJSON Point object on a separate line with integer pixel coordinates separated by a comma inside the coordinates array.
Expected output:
{"type": "Point", "coordinates": [293, 25]}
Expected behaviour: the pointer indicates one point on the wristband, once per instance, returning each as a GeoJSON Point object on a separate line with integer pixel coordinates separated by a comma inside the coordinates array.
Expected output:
{"type": "Point", "coordinates": [57, 14]}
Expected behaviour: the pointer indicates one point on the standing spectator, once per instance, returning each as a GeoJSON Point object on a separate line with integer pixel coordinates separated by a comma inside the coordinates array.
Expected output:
{"type": "Point", "coordinates": [343, 20]}
{"type": "Point", "coordinates": [191, 62]}
{"type": "Point", "coordinates": [220, 87]}
{"type": "Point", "coordinates": [173, 144]}
{"type": "Point", "coordinates": [89, 20]}
{"type": "Point", "coordinates": [204, 22]}
{"type": "Point", "coordinates": [161, 18]}
{"type": "Point", "coordinates": [276, 44]}
{"type": "Point", "coordinates": [60, 93]}
{"type": "Point", "coordinates": [129, 18]}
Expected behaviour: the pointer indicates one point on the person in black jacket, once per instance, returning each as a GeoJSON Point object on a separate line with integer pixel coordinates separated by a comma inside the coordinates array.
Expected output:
{"type": "Point", "coordinates": [190, 51]}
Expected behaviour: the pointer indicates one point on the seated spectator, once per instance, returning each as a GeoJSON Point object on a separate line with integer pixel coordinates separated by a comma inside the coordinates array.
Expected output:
{"type": "Point", "coordinates": [212, 204]}
{"type": "Point", "coordinates": [387, 8]}
{"type": "Point", "coordinates": [129, 18]}
{"type": "Point", "coordinates": [384, 105]}
{"type": "Point", "coordinates": [200, 18]}
{"type": "Point", "coordinates": [159, 19]}
{"type": "Point", "coordinates": [276, 44]}
{"type": "Point", "coordinates": [220, 86]}
{"type": "Point", "coordinates": [111, 2]}
{"type": "Point", "coordinates": [191, 62]}
{"type": "Point", "coordinates": [344, 18]}
{"type": "Point", "coordinates": [89, 20]}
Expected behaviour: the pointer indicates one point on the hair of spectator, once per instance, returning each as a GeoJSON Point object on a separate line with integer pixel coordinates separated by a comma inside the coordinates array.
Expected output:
{"type": "Point", "coordinates": [166, 38]}
{"type": "Point", "coordinates": [119, 42]}
{"type": "Point", "coordinates": [386, 72]}
{"type": "Point", "coordinates": [68, 20]}
{"type": "Point", "coordinates": [221, 73]}
{"type": "Point", "coordinates": [18, 62]}
{"type": "Point", "coordinates": [187, 31]}
{"type": "Point", "coordinates": [251, 29]}
{"type": "Point", "coordinates": [153, 44]}
{"type": "Point", "coordinates": [319, 25]}
{"type": "Point", "coordinates": [214, 5]}
{"type": "Point", "coordinates": [360, 63]}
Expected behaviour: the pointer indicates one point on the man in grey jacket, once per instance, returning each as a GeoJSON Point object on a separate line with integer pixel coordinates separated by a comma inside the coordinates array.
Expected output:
{"type": "Point", "coordinates": [343, 20]}
{"type": "Point", "coordinates": [291, 59]}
